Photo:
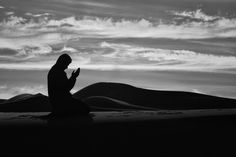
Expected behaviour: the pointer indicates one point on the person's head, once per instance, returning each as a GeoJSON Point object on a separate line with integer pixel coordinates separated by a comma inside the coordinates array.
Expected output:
{"type": "Point", "coordinates": [63, 61]}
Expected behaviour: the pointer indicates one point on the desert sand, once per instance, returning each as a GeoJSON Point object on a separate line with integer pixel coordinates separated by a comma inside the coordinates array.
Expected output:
{"type": "Point", "coordinates": [125, 120]}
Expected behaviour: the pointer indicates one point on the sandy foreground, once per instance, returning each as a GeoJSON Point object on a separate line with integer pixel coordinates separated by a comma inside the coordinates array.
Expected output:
{"type": "Point", "coordinates": [121, 124]}
{"type": "Point", "coordinates": [37, 118]}
{"type": "Point", "coordinates": [163, 133]}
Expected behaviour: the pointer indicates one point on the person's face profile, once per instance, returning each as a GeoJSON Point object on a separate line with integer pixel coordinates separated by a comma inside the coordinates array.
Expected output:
{"type": "Point", "coordinates": [65, 66]}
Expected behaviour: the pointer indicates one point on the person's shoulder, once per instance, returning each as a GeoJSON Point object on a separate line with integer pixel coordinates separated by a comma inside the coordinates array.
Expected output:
{"type": "Point", "coordinates": [56, 71]}
{"type": "Point", "coordinates": [53, 70]}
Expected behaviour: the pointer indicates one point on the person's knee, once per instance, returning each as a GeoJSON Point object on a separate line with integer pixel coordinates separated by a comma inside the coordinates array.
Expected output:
{"type": "Point", "coordinates": [88, 109]}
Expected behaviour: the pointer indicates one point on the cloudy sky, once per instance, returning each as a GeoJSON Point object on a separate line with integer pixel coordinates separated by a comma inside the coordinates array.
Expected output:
{"type": "Point", "coordinates": [180, 37]}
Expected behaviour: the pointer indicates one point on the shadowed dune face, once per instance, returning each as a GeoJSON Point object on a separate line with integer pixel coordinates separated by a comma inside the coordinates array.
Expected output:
{"type": "Point", "coordinates": [2, 100]}
{"type": "Point", "coordinates": [110, 104]}
{"type": "Point", "coordinates": [26, 103]}
{"type": "Point", "coordinates": [155, 99]}
{"type": "Point", "coordinates": [19, 97]}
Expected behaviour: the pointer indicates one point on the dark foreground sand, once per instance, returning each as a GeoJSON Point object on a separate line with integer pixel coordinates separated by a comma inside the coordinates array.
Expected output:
{"type": "Point", "coordinates": [125, 120]}
{"type": "Point", "coordinates": [149, 133]}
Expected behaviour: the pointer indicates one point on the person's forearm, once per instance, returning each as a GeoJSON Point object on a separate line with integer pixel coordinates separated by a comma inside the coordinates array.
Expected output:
{"type": "Point", "coordinates": [71, 83]}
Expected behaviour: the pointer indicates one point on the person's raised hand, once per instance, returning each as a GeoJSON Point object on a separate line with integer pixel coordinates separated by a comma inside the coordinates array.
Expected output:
{"type": "Point", "coordinates": [76, 73]}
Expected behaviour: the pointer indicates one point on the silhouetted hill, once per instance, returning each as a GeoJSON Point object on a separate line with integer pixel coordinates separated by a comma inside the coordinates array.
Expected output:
{"type": "Point", "coordinates": [2, 100]}
{"type": "Point", "coordinates": [26, 103]}
{"type": "Point", "coordinates": [155, 99]}
{"type": "Point", "coordinates": [117, 96]}
{"type": "Point", "coordinates": [19, 97]}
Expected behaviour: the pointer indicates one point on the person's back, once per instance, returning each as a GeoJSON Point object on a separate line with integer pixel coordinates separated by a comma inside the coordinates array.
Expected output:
{"type": "Point", "coordinates": [59, 87]}
{"type": "Point", "coordinates": [57, 91]}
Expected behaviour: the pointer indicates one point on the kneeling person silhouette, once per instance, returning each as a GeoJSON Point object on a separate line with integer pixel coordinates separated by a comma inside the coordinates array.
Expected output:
{"type": "Point", "coordinates": [59, 87]}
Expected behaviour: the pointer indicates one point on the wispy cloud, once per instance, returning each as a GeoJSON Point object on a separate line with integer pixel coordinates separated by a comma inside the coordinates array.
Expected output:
{"type": "Point", "coordinates": [108, 27]}
{"type": "Point", "coordinates": [68, 49]}
{"type": "Point", "coordinates": [32, 37]}
{"type": "Point", "coordinates": [197, 14]}
{"type": "Point", "coordinates": [35, 37]}
{"type": "Point", "coordinates": [164, 59]}
{"type": "Point", "coordinates": [9, 13]}
{"type": "Point", "coordinates": [2, 87]}
{"type": "Point", "coordinates": [112, 56]}
{"type": "Point", "coordinates": [37, 15]}
{"type": "Point", "coordinates": [95, 4]}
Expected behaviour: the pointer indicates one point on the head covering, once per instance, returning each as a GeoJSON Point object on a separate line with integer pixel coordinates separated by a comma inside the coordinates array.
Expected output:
{"type": "Point", "coordinates": [64, 59]}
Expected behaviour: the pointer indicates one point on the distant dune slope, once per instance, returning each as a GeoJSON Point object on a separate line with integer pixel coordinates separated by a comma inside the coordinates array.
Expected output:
{"type": "Point", "coordinates": [2, 100]}
{"type": "Point", "coordinates": [155, 99]}
{"type": "Point", "coordinates": [19, 97]}
{"type": "Point", "coordinates": [26, 103]}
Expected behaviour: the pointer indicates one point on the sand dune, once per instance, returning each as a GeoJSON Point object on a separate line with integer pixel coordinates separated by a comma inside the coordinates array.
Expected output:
{"type": "Point", "coordinates": [175, 128]}
{"type": "Point", "coordinates": [155, 98]}
{"type": "Point", "coordinates": [110, 104]}
{"type": "Point", "coordinates": [2, 100]}
{"type": "Point", "coordinates": [20, 97]}
{"type": "Point", "coordinates": [26, 103]}
{"type": "Point", "coordinates": [121, 97]}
